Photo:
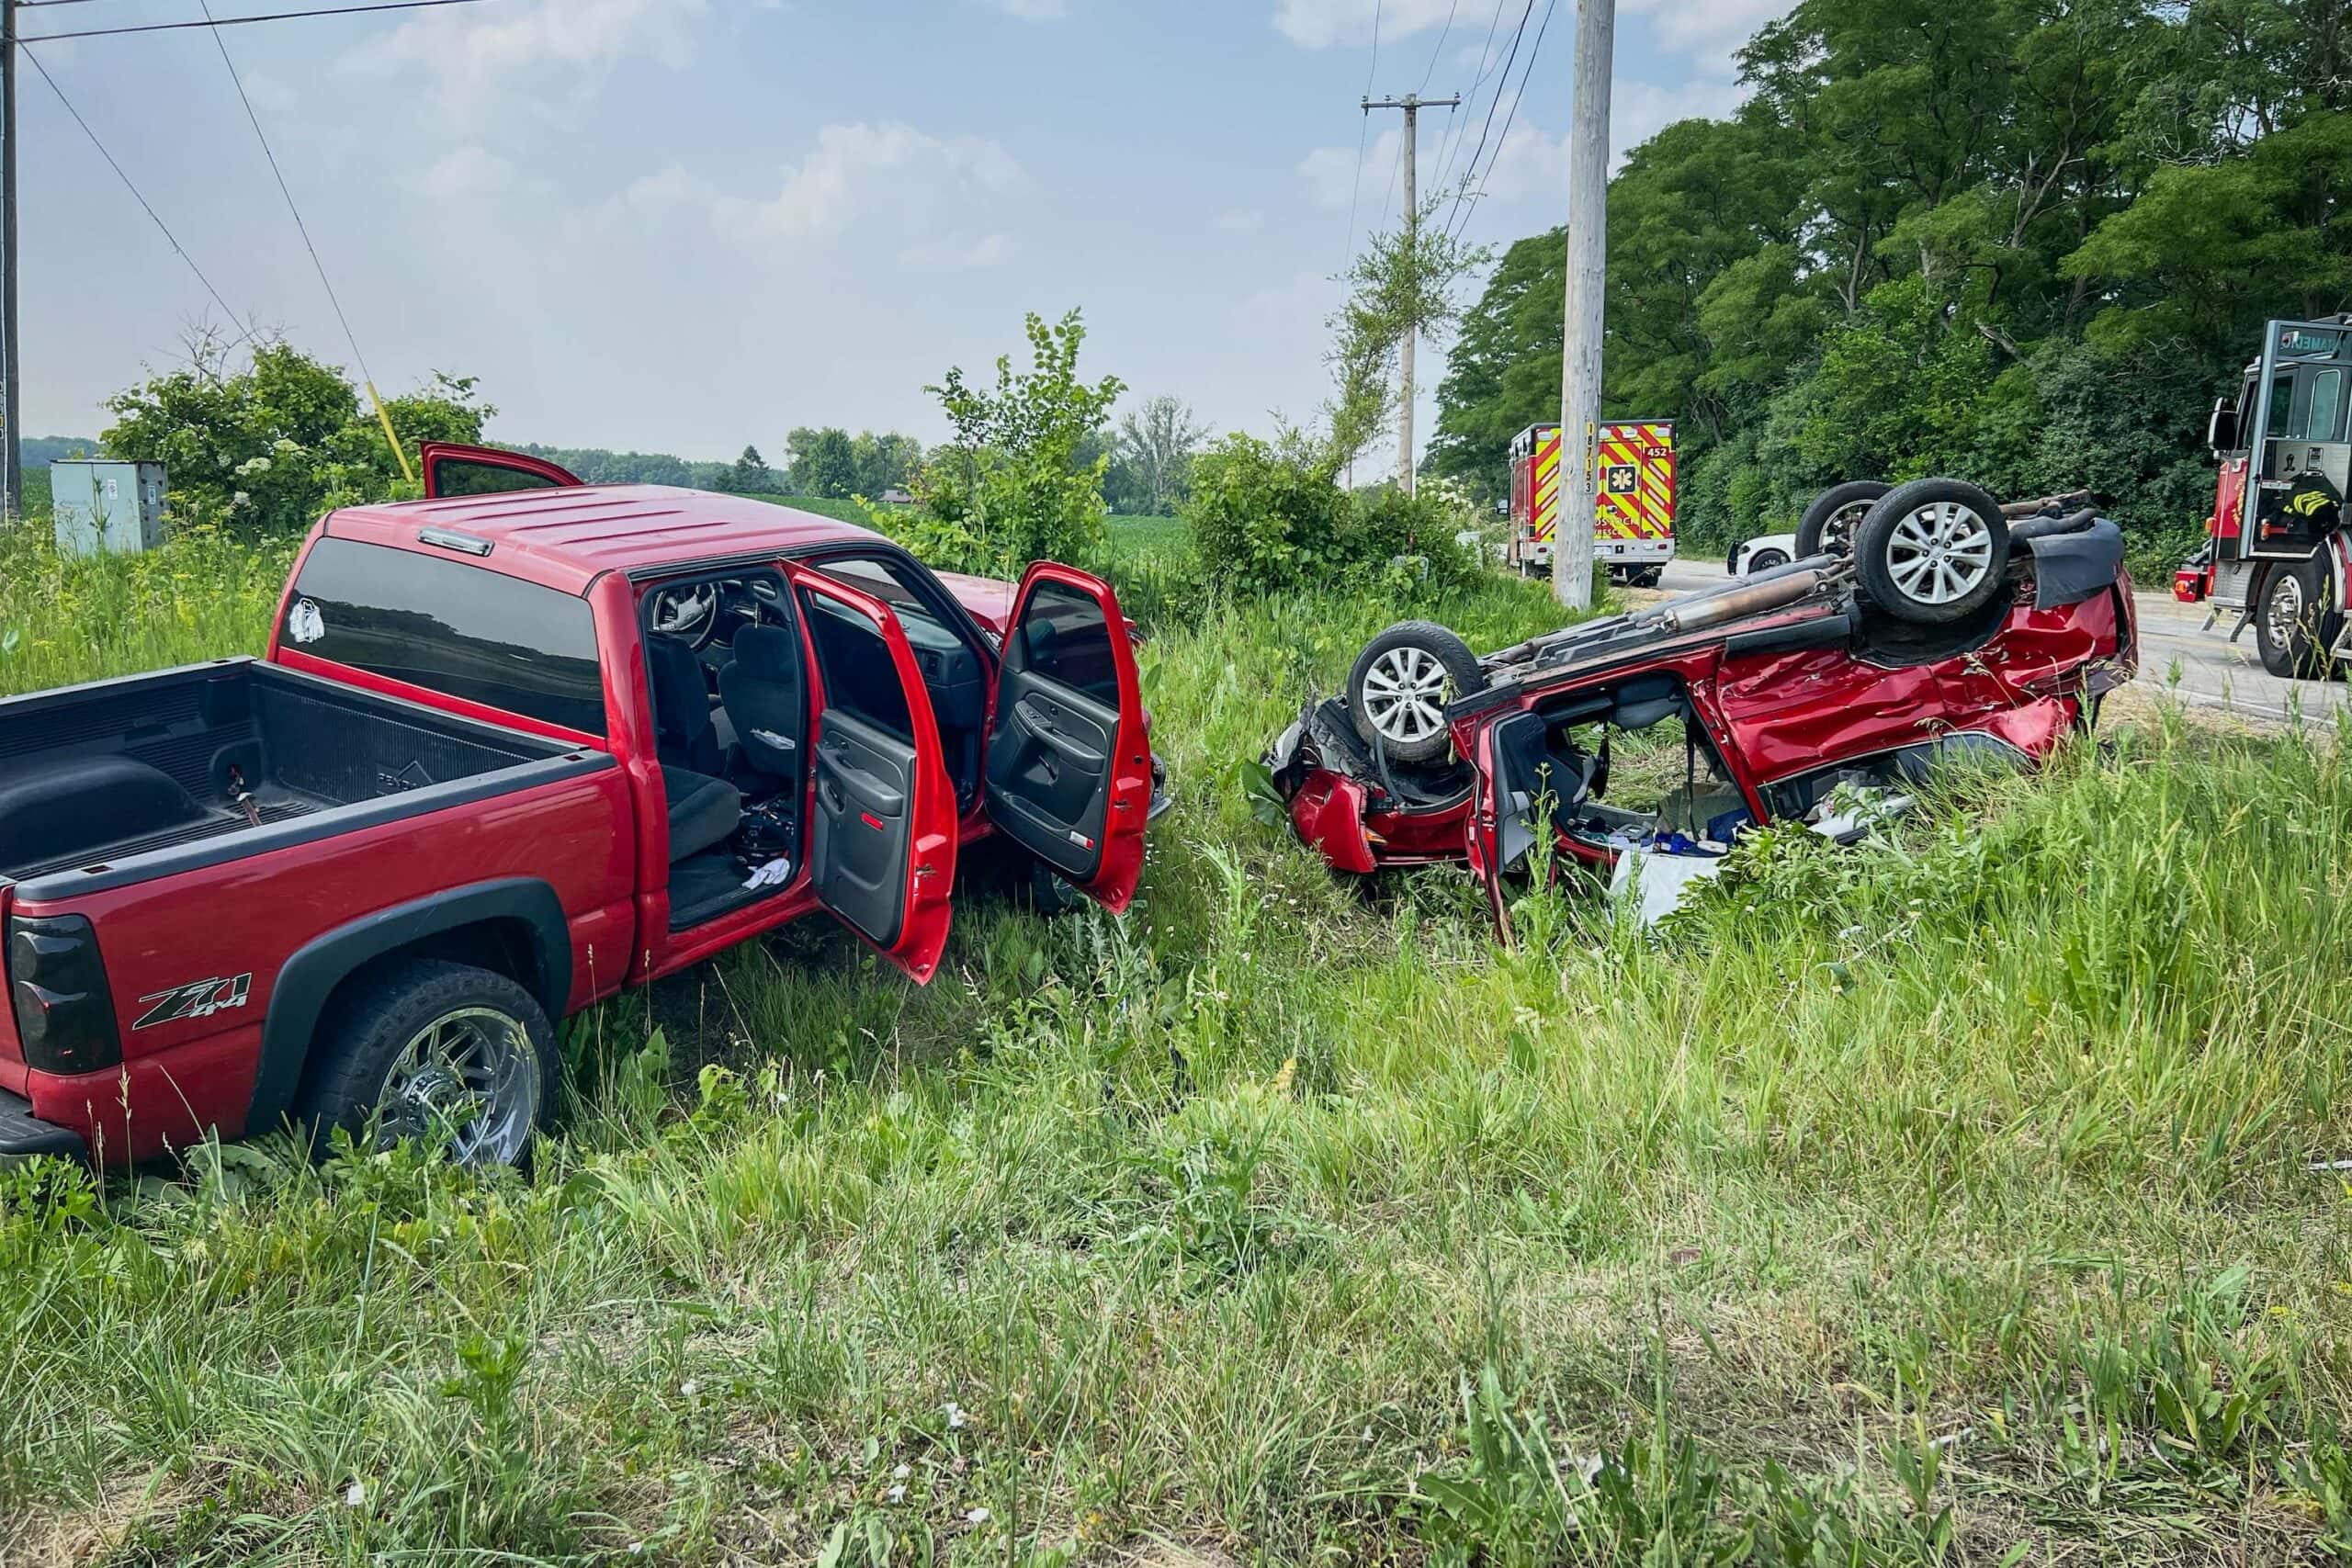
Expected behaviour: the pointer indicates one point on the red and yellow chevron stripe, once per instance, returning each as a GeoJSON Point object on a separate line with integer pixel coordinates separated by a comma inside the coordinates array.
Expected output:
{"type": "Point", "coordinates": [1636, 482]}
{"type": "Point", "coordinates": [1543, 508]}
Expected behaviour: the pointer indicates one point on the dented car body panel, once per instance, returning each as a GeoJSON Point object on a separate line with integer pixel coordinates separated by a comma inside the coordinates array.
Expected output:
{"type": "Point", "coordinates": [1772, 701]}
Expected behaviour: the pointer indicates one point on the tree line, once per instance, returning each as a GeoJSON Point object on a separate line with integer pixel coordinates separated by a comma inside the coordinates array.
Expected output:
{"type": "Point", "coordinates": [2022, 242]}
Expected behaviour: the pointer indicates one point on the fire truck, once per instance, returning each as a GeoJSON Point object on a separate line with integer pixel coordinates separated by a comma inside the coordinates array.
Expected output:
{"type": "Point", "coordinates": [2276, 551]}
{"type": "Point", "coordinates": [1632, 533]}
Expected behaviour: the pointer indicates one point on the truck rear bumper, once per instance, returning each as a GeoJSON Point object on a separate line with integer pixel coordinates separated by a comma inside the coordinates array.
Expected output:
{"type": "Point", "coordinates": [24, 1134]}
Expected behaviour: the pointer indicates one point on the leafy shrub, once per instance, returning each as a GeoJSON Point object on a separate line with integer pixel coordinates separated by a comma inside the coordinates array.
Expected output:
{"type": "Point", "coordinates": [1015, 485]}
{"type": "Point", "coordinates": [1267, 518]}
{"type": "Point", "coordinates": [276, 444]}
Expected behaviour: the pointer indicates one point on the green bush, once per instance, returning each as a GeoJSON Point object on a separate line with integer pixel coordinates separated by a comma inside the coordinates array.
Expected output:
{"type": "Point", "coordinates": [1272, 519]}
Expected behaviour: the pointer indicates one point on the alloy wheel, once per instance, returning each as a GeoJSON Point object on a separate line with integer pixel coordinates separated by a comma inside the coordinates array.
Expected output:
{"type": "Point", "coordinates": [1939, 553]}
{"type": "Point", "coordinates": [1404, 694]}
{"type": "Point", "coordinates": [472, 1074]}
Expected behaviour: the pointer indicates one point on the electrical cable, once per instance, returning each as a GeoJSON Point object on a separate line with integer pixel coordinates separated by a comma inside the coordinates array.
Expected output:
{"type": "Point", "coordinates": [144, 206]}
{"type": "Point", "coordinates": [1475, 187]}
{"type": "Point", "coordinates": [1442, 36]}
{"type": "Point", "coordinates": [245, 21]}
{"type": "Point", "coordinates": [1492, 104]}
{"type": "Point", "coordinates": [1486, 62]}
{"type": "Point", "coordinates": [1355, 191]}
{"type": "Point", "coordinates": [304, 230]}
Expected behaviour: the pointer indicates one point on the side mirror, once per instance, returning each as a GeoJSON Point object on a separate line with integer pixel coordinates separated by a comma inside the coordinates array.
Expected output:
{"type": "Point", "coordinates": [2221, 430]}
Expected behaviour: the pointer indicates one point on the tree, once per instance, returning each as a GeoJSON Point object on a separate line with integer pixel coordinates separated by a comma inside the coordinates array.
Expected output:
{"type": "Point", "coordinates": [1403, 281]}
{"type": "Point", "coordinates": [824, 462]}
{"type": "Point", "coordinates": [275, 440]}
{"type": "Point", "coordinates": [1157, 441]}
{"type": "Point", "coordinates": [1023, 477]}
{"type": "Point", "coordinates": [750, 475]}
{"type": "Point", "coordinates": [1995, 239]}
{"type": "Point", "coordinates": [884, 462]}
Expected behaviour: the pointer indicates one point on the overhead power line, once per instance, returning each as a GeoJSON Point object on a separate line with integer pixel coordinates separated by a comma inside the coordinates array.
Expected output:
{"type": "Point", "coordinates": [1492, 104]}
{"type": "Point", "coordinates": [1355, 189]}
{"type": "Point", "coordinates": [246, 21]}
{"type": "Point", "coordinates": [1436, 54]}
{"type": "Point", "coordinates": [308, 243]}
{"type": "Point", "coordinates": [145, 205]}
{"type": "Point", "coordinates": [1486, 62]}
{"type": "Point", "coordinates": [1477, 186]}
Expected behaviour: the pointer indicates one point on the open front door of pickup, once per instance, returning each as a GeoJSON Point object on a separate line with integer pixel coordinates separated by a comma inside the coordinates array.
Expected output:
{"type": "Point", "coordinates": [882, 816]}
{"type": "Point", "coordinates": [1068, 764]}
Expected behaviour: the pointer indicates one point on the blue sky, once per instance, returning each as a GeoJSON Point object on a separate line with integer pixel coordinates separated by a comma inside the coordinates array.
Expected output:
{"type": "Point", "coordinates": [683, 225]}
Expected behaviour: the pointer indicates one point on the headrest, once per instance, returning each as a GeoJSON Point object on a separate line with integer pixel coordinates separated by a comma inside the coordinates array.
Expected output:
{"type": "Point", "coordinates": [767, 653]}
{"type": "Point", "coordinates": [1646, 701]}
{"type": "Point", "coordinates": [681, 702]}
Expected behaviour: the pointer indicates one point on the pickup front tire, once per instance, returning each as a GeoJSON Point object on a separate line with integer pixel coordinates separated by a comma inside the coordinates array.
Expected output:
{"type": "Point", "coordinates": [439, 1052]}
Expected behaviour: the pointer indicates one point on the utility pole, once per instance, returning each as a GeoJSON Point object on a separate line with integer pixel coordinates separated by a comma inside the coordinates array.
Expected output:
{"type": "Point", "coordinates": [12, 439]}
{"type": "Point", "coordinates": [1412, 103]}
{"type": "Point", "coordinates": [1587, 282]}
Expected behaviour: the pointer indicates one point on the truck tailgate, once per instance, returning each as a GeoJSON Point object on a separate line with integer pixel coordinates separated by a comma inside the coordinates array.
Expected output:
{"type": "Point", "coordinates": [12, 1050]}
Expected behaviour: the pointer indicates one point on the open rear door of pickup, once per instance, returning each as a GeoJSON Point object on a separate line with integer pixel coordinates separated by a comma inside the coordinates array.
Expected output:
{"type": "Point", "coordinates": [882, 819]}
{"type": "Point", "coordinates": [1068, 764]}
{"type": "Point", "coordinates": [451, 468]}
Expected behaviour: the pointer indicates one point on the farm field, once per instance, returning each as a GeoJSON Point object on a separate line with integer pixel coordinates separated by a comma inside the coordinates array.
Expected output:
{"type": "Point", "coordinates": [1964, 1199]}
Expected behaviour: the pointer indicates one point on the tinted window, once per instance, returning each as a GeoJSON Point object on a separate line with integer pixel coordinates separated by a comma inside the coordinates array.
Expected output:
{"type": "Point", "coordinates": [856, 665]}
{"type": "Point", "coordinates": [1064, 638]}
{"type": "Point", "coordinates": [2282, 401]}
{"type": "Point", "coordinates": [2324, 416]}
{"type": "Point", "coordinates": [451, 628]}
{"type": "Point", "coordinates": [880, 579]}
{"type": "Point", "coordinates": [452, 476]}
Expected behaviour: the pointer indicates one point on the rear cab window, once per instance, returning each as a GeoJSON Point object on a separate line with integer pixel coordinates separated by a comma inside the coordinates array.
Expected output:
{"type": "Point", "coordinates": [451, 627]}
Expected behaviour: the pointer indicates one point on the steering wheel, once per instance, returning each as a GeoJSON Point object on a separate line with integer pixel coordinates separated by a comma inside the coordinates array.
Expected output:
{"type": "Point", "coordinates": [688, 611]}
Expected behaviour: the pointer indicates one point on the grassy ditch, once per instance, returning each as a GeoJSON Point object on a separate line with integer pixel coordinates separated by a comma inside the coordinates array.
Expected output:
{"type": "Point", "coordinates": [1953, 1200]}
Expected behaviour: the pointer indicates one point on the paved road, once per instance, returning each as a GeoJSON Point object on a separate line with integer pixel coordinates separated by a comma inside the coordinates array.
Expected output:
{"type": "Point", "coordinates": [2199, 667]}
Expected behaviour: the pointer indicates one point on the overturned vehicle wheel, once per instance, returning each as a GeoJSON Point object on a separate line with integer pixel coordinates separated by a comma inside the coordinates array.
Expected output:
{"type": "Point", "coordinates": [1933, 551]}
{"type": "Point", "coordinates": [1829, 522]}
{"type": "Point", "coordinates": [1401, 683]}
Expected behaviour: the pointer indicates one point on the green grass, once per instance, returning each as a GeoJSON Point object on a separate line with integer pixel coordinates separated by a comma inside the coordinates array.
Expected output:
{"type": "Point", "coordinates": [1933, 1203]}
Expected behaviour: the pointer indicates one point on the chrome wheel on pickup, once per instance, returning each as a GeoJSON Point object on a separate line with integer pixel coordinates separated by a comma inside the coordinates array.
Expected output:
{"type": "Point", "coordinates": [471, 1076]}
{"type": "Point", "coordinates": [456, 1057]}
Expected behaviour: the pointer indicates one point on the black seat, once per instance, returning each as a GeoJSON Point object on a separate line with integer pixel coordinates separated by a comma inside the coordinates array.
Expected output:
{"type": "Point", "coordinates": [704, 811]}
{"type": "Point", "coordinates": [683, 736]}
{"type": "Point", "coordinates": [704, 808]}
{"type": "Point", "coordinates": [761, 692]}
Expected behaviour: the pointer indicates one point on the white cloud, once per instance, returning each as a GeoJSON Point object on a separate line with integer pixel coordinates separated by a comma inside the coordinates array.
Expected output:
{"type": "Point", "coordinates": [470, 50]}
{"type": "Point", "coordinates": [951, 254]}
{"type": "Point", "coordinates": [468, 174]}
{"type": "Point", "coordinates": [1321, 24]}
{"type": "Point", "coordinates": [860, 168]}
{"type": "Point", "coordinates": [1710, 29]}
{"type": "Point", "coordinates": [1331, 173]}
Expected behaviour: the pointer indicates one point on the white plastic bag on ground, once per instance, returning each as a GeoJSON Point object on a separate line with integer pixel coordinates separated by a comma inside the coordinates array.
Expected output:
{"type": "Point", "coordinates": [1652, 885]}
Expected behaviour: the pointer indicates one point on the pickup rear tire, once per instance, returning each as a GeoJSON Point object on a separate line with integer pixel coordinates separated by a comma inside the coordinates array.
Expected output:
{"type": "Point", "coordinates": [1401, 683]}
{"type": "Point", "coordinates": [432, 1050]}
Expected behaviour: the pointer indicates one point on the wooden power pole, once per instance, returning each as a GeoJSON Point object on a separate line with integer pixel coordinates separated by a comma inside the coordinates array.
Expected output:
{"type": "Point", "coordinates": [1412, 103]}
{"type": "Point", "coordinates": [12, 439]}
{"type": "Point", "coordinates": [1587, 282]}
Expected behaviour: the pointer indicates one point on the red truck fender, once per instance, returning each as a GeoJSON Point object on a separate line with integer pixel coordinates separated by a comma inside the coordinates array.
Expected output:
{"type": "Point", "coordinates": [298, 997]}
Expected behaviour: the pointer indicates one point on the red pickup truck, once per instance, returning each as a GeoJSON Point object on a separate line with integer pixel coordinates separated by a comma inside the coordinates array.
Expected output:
{"type": "Point", "coordinates": [511, 749]}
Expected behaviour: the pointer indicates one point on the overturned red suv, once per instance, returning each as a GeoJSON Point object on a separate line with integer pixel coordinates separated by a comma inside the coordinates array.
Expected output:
{"type": "Point", "coordinates": [1942, 623]}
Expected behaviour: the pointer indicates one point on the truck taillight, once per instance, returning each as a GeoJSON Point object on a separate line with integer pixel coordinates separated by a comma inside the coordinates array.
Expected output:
{"type": "Point", "coordinates": [64, 1012]}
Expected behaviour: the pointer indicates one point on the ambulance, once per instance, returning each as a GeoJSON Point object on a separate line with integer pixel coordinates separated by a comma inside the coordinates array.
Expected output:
{"type": "Point", "coordinates": [1632, 533]}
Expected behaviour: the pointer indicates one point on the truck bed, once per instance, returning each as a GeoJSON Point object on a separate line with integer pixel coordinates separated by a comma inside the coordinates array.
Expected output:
{"type": "Point", "coordinates": [124, 780]}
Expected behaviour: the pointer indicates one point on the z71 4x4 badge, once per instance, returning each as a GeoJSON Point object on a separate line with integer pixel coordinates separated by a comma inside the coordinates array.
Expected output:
{"type": "Point", "coordinates": [199, 998]}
